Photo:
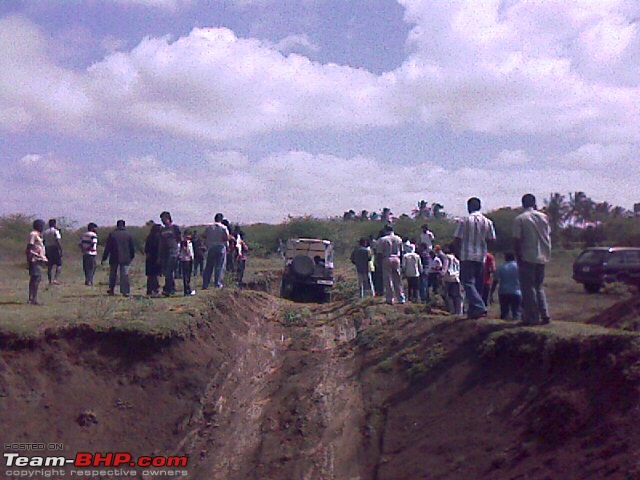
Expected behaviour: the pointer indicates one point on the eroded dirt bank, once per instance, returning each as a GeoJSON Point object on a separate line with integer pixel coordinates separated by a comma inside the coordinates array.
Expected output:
{"type": "Point", "coordinates": [265, 389]}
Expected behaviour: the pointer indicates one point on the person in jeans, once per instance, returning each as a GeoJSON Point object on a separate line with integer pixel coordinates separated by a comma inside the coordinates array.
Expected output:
{"type": "Point", "coordinates": [451, 284]}
{"type": "Point", "coordinates": [216, 237]}
{"type": "Point", "coordinates": [360, 257]}
{"type": "Point", "coordinates": [186, 256]}
{"type": "Point", "coordinates": [120, 250]}
{"type": "Point", "coordinates": [509, 294]}
{"type": "Point", "coordinates": [168, 252]}
{"type": "Point", "coordinates": [532, 242]}
{"type": "Point", "coordinates": [89, 248]}
{"type": "Point", "coordinates": [472, 237]}
{"type": "Point", "coordinates": [35, 258]}
{"type": "Point", "coordinates": [199, 251]}
{"type": "Point", "coordinates": [423, 251]}
{"type": "Point", "coordinates": [412, 267]}
{"type": "Point", "coordinates": [390, 248]}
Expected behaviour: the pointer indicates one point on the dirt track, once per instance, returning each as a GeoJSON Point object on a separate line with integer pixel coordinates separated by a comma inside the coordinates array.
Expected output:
{"type": "Point", "coordinates": [267, 389]}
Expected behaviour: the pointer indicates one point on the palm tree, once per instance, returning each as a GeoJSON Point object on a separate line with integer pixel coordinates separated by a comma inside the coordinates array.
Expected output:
{"type": "Point", "coordinates": [602, 211]}
{"type": "Point", "coordinates": [558, 211]}
{"type": "Point", "coordinates": [582, 207]}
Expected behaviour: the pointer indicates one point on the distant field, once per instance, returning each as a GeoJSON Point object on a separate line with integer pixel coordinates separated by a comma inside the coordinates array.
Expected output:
{"type": "Point", "coordinates": [73, 303]}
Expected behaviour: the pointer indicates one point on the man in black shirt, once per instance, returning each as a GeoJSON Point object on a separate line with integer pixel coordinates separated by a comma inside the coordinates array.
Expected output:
{"type": "Point", "coordinates": [120, 250]}
{"type": "Point", "coordinates": [170, 237]}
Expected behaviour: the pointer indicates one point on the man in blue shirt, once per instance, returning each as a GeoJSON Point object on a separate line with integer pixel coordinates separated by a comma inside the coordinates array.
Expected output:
{"type": "Point", "coordinates": [509, 293]}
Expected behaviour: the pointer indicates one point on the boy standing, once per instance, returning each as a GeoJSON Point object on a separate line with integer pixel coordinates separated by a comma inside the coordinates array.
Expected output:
{"type": "Point", "coordinates": [185, 256]}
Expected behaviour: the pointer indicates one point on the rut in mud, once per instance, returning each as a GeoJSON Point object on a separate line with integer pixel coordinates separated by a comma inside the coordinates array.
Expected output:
{"type": "Point", "coordinates": [267, 389]}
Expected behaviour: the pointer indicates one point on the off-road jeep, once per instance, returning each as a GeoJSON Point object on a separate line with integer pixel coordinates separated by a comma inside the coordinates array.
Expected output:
{"type": "Point", "coordinates": [308, 270]}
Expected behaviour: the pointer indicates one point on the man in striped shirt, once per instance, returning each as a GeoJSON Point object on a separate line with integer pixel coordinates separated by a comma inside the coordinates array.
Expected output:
{"type": "Point", "coordinates": [89, 247]}
{"type": "Point", "coordinates": [473, 235]}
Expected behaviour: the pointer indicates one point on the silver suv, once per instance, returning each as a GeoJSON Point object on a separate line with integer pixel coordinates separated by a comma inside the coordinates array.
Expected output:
{"type": "Point", "coordinates": [308, 270]}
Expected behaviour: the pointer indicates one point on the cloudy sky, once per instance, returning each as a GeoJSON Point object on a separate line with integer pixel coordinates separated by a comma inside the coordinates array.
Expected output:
{"type": "Point", "coordinates": [265, 108]}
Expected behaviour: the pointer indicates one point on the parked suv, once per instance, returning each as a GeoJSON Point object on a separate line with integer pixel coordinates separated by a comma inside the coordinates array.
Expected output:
{"type": "Point", "coordinates": [599, 265]}
{"type": "Point", "coordinates": [308, 270]}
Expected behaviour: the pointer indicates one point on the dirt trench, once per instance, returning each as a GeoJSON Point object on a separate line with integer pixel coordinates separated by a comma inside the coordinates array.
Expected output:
{"type": "Point", "coordinates": [267, 389]}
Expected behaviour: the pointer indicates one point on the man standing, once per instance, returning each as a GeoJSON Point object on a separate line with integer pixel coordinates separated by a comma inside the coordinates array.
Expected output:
{"type": "Point", "coordinates": [532, 242]}
{"type": "Point", "coordinates": [360, 257]}
{"type": "Point", "coordinates": [120, 251]}
{"type": "Point", "coordinates": [451, 284]}
{"type": "Point", "coordinates": [472, 237]}
{"type": "Point", "coordinates": [412, 267]}
{"type": "Point", "coordinates": [217, 240]}
{"type": "Point", "coordinates": [170, 237]}
{"type": "Point", "coordinates": [390, 248]}
{"type": "Point", "coordinates": [89, 248]}
{"type": "Point", "coordinates": [35, 257]}
{"type": "Point", "coordinates": [53, 248]}
{"type": "Point", "coordinates": [427, 237]}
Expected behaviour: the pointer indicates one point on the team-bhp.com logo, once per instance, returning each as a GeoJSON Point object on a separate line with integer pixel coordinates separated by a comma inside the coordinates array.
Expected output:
{"type": "Point", "coordinates": [85, 459]}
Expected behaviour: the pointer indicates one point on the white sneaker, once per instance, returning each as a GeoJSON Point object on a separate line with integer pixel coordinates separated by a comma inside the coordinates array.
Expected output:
{"type": "Point", "coordinates": [193, 292]}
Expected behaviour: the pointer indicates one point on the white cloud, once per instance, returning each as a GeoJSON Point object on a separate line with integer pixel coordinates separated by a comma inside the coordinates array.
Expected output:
{"type": "Point", "coordinates": [498, 68]}
{"type": "Point", "coordinates": [296, 43]}
{"type": "Point", "coordinates": [524, 67]}
{"type": "Point", "coordinates": [295, 182]}
{"type": "Point", "coordinates": [168, 5]}
{"type": "Point", "coordinates": [510, 158]}
{"type": "Point", "coordinates": [31, 86]}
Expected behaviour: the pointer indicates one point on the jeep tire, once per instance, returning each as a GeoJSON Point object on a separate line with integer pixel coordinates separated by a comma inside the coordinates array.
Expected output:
{"type": "Point", "coordinates": [302, 266]}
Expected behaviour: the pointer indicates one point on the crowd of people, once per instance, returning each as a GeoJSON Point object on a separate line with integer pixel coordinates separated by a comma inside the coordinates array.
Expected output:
{"type": "Point", "coordinates": [464, 271]}
{"type": "Point", "coordinates": [169, 253]}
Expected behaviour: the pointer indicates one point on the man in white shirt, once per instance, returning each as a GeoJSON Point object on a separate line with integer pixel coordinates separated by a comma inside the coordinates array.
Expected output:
{"type": "Point", "coordinates": [427, 237]}
{"type": "Point", "coordinates": [390, 248]}
{"type": "Point", "coordinates": [473, 235]}
{"type": "Point", "coordinates": [216, 237]}
{"type": "Point", "coordinates": [53, 248]}
{"type": "Point", "coordinates": [532, 242]}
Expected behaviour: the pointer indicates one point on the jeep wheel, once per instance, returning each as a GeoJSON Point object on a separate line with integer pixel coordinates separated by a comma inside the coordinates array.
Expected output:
{"type": "Point", "coordinates": [592, 287]}
{"type": "Point", "coordinates": [302, 266]}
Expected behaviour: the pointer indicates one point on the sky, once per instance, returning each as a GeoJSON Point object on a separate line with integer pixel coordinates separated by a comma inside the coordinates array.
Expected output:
{"type": "Point", "coordinates": [261, 109]}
